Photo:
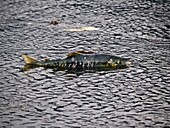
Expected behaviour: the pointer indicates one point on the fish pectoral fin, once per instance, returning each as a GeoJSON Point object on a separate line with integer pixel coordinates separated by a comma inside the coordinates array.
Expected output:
{"type": "Point", "coordinates": [72, 54]}
{"type": "Point", "coordinates": [28, 59]}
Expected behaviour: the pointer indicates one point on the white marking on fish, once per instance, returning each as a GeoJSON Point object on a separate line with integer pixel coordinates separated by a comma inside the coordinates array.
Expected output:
{"type": "Point", "coordinates": [110, 61]}
{"type": "Point", "coordinates": [74, 65]}
{"type": "Point", "coordinates": [72, 59]}
{"type": "Point", "coordinates": [88, 64]}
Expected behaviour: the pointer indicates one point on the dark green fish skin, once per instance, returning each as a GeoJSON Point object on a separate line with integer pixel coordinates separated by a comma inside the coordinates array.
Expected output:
{"type": "Point", "coordinates": [85, 62]}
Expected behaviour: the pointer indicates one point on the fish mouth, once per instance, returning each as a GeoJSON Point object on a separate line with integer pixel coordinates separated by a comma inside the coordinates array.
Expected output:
{"type": "Point", "coordinates": [128, 63]}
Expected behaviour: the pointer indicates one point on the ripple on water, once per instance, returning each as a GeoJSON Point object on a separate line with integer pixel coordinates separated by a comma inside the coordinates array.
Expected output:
{"type": "Point", "coordinates": [133, 97]}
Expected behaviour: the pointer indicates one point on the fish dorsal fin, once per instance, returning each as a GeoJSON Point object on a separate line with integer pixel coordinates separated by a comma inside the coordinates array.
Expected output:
{"type": "Point", "coordinates": [72, 54]}
{"type": "Point", "coordinates": [28, 59]}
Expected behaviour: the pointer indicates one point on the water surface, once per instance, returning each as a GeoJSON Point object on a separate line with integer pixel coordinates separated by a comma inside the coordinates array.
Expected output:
{"type": "Point", "coordinates": [134, 97]}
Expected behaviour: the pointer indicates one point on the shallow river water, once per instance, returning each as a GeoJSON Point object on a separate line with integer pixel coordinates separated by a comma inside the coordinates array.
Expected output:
{"type": "Point", "coordinates": [135, 97]}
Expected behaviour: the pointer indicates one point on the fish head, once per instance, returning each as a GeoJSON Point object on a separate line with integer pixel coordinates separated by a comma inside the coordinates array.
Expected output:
{"type": "Point", "coordinates": [128, 63]}
{"type": "Point", "coordinates": [116, 62]}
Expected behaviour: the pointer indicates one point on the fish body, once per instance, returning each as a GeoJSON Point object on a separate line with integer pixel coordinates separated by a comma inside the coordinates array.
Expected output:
{"type": "Point", "coordinates": [81, 61]}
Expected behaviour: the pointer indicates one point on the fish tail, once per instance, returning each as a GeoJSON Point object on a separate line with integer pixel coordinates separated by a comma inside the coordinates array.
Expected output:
{"type": "Point", "coordinates": [29, 59]}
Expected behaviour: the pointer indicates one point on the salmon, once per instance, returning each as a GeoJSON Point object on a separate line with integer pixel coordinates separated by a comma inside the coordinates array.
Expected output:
{"type": "Point", "coordinates": [80, 61]}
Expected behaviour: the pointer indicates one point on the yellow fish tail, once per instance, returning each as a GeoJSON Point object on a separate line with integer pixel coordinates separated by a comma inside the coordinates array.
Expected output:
{"type": "Point", "coordinates": [28, 59]}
